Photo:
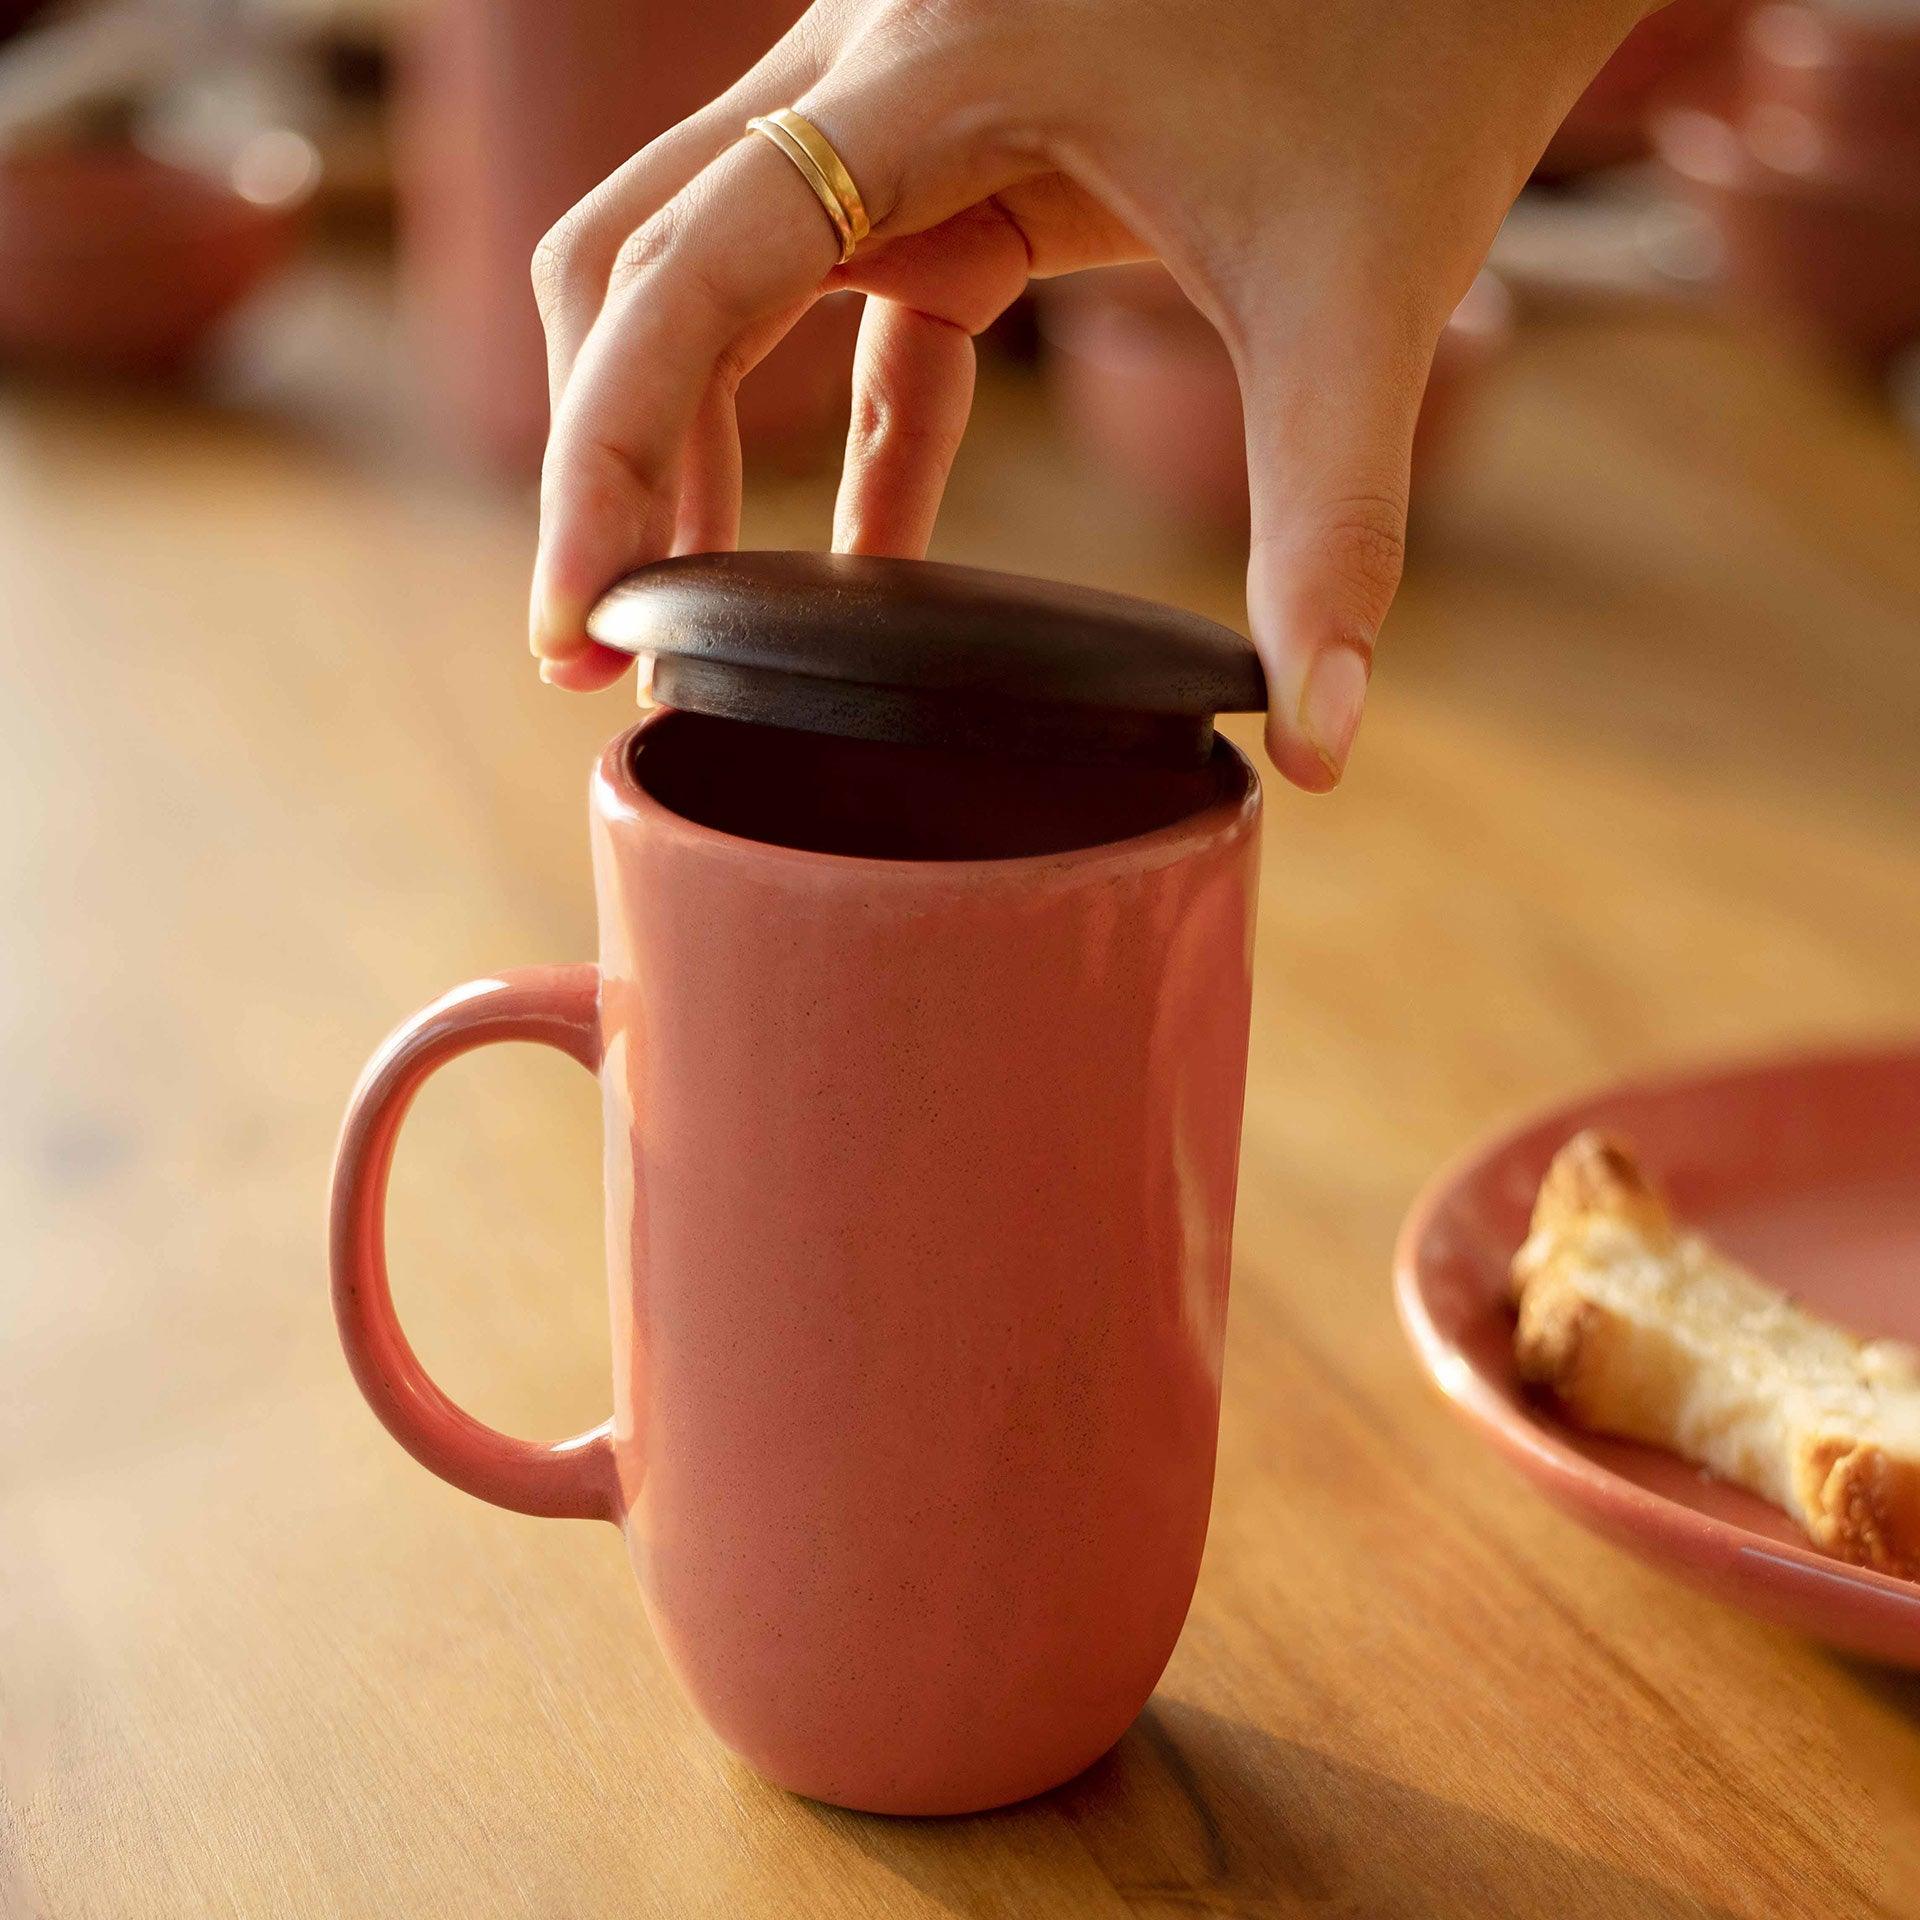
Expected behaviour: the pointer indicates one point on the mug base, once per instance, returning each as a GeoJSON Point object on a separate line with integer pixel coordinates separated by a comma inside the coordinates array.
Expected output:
{"type": "Point", "coordinates": [925, 1801]}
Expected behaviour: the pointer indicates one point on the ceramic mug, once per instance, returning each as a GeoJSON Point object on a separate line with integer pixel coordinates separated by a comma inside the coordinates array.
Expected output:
{"type": "Point", "coordinates": [922, 1078]}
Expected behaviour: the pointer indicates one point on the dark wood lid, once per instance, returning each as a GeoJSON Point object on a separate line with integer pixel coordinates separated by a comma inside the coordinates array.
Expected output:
{"type": "Point", "coordinates": [938, 655]}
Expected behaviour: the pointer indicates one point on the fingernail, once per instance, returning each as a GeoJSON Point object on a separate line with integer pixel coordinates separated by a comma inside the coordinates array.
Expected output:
{"type": "Point", "coordinates": [541, 640]}
{"type": "Point", "coordinates": [1331, 701]}
{"type": "Point", "coordinates": [546, 671]}
{"type": "Point", "coordinates": [543, 629]}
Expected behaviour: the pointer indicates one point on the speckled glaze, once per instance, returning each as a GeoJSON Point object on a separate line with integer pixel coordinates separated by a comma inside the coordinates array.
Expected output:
{"type": "Point", "coordinates": [920, 1180]}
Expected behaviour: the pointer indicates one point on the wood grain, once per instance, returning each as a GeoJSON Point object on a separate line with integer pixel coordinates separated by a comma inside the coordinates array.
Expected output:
{"type": "Point", "coordinates": [1639, 784]}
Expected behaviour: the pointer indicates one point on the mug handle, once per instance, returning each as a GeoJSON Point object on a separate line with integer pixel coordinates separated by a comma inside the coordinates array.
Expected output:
{"type": "Point", "coordinates": [569, 1479]}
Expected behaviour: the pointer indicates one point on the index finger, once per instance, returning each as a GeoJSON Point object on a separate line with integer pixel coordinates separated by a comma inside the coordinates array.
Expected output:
{"type": "Point", "coordinates": [741, 242]}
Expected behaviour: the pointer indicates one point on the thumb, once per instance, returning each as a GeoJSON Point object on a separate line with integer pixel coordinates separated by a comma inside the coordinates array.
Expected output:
{"type": "Point", "coordinates": [1329, 420]}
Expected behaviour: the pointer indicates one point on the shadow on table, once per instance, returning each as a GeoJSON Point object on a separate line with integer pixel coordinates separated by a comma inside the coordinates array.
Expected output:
{"type": "Point", "coordinates": [1196, 1813]}
{"type": "Point", "coordinates": [1895, 1687]}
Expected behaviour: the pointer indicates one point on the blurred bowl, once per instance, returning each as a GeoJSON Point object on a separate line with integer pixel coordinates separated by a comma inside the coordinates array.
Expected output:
{"type": "Point", "coordinates": [1147, 387]}
{"type": "Point", "coordinates": [1478, 333]}
{"type": "Point", "coordinates": [1842, 84]}
{"type": "Point", "coordinates": [1683, 48]}
{"type": "Point", "coordinates": [1838, 264]}
{"type": "Point", "coordinates": [114, 262]}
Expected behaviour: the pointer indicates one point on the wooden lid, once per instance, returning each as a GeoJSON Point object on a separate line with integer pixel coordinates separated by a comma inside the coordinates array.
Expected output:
{"type": "Point", "coordinates": [935, 655]}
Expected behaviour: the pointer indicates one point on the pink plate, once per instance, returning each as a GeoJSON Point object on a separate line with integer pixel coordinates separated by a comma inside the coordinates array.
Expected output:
{"type": "Point", "coordinates": [1808, 1170]}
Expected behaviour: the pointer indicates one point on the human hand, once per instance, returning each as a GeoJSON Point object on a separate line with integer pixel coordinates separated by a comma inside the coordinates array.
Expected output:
{"type": "Point", "coordinates": [1323, 177]}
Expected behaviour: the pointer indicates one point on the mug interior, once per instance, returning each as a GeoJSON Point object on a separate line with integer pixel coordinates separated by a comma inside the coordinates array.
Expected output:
{"type": "Point", "coordinates": [874, 800]}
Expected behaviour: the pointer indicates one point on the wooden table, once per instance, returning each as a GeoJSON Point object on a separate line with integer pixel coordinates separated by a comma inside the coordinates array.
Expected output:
{"type": "Point", "coordinates": [1640, 784]}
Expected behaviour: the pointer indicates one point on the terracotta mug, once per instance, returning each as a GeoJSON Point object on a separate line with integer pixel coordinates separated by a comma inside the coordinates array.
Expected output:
{"type": "Point", "coordinates": [922, 1077]}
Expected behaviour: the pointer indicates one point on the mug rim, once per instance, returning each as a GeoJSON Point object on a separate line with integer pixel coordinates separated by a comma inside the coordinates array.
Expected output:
{"type": "Point", "coordinates": [617, 794]}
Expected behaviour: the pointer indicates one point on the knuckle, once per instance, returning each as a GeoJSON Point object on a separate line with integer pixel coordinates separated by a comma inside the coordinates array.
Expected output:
{"type": "Point", "coordinates": [555, 260]}
{"type": "Point", "coordinates": [608, 483]}
{"type": "Point", "coordinates": [815, 37]}
{"type": "Point", "coordinates": [649, 246]}
{"type": "Point", "coordinates": [1363, 542]}
{"type": "Point", "coordinates": [661, 249]}
{"type": "Point", "coordinates": [877, 421]}
{"type": "Point", "coordinates": [908, 24]}
{"type": "Point", "coordinates": [731, 365]}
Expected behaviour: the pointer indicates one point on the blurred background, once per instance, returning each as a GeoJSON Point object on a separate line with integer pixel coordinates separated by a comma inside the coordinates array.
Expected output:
{"type": "Point", "coordinates": [320, 213]}
{"type": "Point", "coordinates": [308, 222]}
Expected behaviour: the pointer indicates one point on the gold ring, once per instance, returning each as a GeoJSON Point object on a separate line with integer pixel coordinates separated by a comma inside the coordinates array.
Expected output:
{"type": "Point", "coordinates": [823, 170]}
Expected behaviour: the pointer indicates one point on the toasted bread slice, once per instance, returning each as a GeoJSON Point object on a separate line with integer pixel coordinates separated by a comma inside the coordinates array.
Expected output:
{"type": "Point", "coordinates": [1644, 1330]}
